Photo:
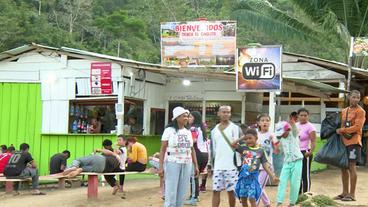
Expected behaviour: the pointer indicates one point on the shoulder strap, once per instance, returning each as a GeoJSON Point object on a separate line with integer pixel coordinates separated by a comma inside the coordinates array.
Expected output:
{"type": "Point", "coordinates": [347, 114]}
{"type": "Point", "coordinates": [226, 139]}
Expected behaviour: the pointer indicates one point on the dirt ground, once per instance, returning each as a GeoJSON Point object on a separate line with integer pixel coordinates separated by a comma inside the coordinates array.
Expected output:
{"type": "Point", "coordinates": [144, 193]}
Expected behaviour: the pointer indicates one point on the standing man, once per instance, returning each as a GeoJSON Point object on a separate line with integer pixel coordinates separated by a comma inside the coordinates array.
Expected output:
{"type": "Point", "coordinates": [353, 118]}
{"type": "Point", "coordinates": [21, 164]}
{"type": "Point", "coordinates": [58, 162]}
{"type": "Point", "coordinates": [225, 172]}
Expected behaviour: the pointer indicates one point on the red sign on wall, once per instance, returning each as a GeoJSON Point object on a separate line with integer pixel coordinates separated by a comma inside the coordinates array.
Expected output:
{"type": "Point", "coordinates": [101, 78]}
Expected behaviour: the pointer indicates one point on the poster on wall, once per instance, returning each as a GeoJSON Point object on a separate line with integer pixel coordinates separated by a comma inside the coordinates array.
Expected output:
{"type": "Point", "coordinates": [100, 78]}
{"type": "Point", "coordinates": [360, 47]}
{"type": "Point", "coordinates": [198, 43]}
{"type": "Point", "coordinates": [259, 69]}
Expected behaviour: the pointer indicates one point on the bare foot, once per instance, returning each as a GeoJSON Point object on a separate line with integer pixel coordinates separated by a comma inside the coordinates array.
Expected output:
{"type": "Point", "coordinates": [74, 173]}
{"type": "Point", "coordinates": [67, 171]}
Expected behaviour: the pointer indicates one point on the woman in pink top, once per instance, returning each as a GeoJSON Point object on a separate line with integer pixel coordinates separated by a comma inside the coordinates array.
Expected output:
{"type": "Point", "coordinates": [307, 136]}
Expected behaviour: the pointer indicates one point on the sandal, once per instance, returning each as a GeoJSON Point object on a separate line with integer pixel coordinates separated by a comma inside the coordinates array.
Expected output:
{"type": "Point", "coordinates": [39, 193]}
{"type": "Point", "coordinates": [339, 197]}
{"type": "Point", "coordinates": [348, 198]}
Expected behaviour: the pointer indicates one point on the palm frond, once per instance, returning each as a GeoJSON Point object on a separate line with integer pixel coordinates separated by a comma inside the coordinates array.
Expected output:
{"type": "Point", "coordinates": [269, 25]}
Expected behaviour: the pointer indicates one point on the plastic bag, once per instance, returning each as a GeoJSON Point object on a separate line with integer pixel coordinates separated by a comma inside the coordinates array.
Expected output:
{"type": "Point", "coordinates": [329, 125]}
{"type": "Point", "coordinates": [333, 153]}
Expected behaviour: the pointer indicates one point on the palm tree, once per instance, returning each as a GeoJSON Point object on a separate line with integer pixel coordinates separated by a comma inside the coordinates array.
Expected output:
{"type": "Point", "coordinates": [330, 22]}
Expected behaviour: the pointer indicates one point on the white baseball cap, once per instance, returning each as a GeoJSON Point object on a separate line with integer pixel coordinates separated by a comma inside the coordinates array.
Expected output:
{"type": "Point", "coordinates": [177, 111]}
{"type": "Point", "coordinates": [281, 128]}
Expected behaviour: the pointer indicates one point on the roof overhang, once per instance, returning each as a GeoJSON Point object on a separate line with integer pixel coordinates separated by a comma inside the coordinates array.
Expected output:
{"type": "Point", "coordinates": [342, 68]}
{"type": "Point", "coordinates": [292, 84]}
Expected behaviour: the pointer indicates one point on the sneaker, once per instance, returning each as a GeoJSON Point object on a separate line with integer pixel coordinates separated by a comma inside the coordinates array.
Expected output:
{"type": "Point", "coordinates": [202, 189]}
{"type": "Point", "coordinates": [191, 202]}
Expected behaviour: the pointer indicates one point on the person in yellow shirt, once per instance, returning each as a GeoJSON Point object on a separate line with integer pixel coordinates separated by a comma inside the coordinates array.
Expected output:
{"type": "Point", "coordinates": [137, 155]}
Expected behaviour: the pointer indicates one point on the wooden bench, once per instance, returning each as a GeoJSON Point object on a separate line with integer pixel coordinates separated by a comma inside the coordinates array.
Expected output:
{"type": "Point", "coordinates": [92, 189]}
{"type": "Point", "coordinates": [9, 182]}
{"type": "Point", "coordinates": [9, 188]}
{"type": "Point", "coordinates": [61, 179]}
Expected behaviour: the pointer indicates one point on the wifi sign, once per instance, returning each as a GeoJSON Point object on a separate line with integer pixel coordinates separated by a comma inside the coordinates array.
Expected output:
{"type": "Point", "coordinates": [258, 71]}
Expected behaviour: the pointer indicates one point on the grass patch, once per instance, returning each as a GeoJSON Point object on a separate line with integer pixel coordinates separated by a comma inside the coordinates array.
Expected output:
{"type": "Point", "coordinates": [142, 177]}
{"type": "Point", "coordinates": [322, 200]}
{"type": "Point", "coordinates": [315, 201]}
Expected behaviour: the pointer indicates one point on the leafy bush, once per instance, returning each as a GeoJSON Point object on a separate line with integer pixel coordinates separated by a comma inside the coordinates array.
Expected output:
{"type": "Point", "coordinates": [322, 201]}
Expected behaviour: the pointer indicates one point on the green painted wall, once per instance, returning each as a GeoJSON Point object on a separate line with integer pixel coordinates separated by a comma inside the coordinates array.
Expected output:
{"type": "Point", "coordinates": [20, 115]}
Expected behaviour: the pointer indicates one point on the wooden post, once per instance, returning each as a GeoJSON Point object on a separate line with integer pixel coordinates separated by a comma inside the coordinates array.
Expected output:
{"type": "Point", "coordinates": [120, 115]}
{"type": "Point", "coordinates": [61, 183]}
{"type": "Point", "coordinates": [271, 110]}
{"type": "Point", "coordinates": [203, 111]}
{"type": "Point", "coordinates": [9, 187]}
{"type": "Point", "coordinates": [243, 109]}
{"type": "Point", "coordinates": [92, 186]}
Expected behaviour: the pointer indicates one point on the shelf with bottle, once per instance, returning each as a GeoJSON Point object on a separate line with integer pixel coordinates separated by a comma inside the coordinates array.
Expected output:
{"type": "Point", "coordinates": [79, 119]}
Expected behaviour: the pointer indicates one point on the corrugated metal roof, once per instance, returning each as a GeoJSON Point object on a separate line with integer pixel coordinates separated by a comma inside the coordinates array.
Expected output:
{"type": "Point", "coordinates": [171, 71]}
{"type": "Point", "coordinates": [315, 84]}
{"type": "Point", "coordinates": [329, 64]}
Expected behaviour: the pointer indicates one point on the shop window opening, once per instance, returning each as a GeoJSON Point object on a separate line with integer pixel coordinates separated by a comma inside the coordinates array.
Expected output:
{"type": "Point", "coordinates": [94, 116]}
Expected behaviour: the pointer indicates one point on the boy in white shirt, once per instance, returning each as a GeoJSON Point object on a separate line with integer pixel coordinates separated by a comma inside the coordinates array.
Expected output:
{"type": "Point", "coordinates": [225, 173]}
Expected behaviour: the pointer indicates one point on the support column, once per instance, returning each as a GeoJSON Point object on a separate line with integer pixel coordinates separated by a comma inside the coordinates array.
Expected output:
{"type": "Point", "coordinates": [244, 98]}
{"type": "Point", "coordinates": [341, 95]}
{"type": "Point", "coordinates": [120, 107]}
{"type": "Point", "coordinates": [9, 186]}
{"type": "Point", "coordinates": [146, 117]}
{"type": "Point", "coordinates": [271, 110]}
{"type": "Point", "coordinates": [167, 113]}
{"type": "Point", "coordinates": [203, 111]}
{"type": "Point", "coordinates": [323, 110]}
{"type": "Point", "coordinates": [92, 186]}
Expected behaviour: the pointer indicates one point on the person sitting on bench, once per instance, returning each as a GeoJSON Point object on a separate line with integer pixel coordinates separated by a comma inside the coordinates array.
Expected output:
{"type": "Point", "coordinates": [4, 158]}
{"type": "Point", "coordinates": [58, 162]}
{"type": "Point", "coordinates": [122, 153]}
{"type": "Point", "coordinates": [137, 155]}
{"type": "Point", "coordinates": [22, 165]}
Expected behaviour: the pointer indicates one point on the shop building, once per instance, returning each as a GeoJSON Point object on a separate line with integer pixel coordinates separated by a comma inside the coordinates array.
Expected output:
{"type": "Point", "coordinates": [46, 98]}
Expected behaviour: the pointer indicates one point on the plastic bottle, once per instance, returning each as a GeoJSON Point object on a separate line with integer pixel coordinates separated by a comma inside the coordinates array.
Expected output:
{"type": "Point", "coordinates": [82, 126]}
{"type": "Point", "coordinates": [75, 126]}
{"type": "Point", "coordinates": [79, 126]}
{"type": "Point", "coordinates": [71, 110]}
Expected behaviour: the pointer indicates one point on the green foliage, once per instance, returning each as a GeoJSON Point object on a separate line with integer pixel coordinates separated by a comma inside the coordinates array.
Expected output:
{"type": "Point", "coordinates": [318, 201]}
{"type": "Point", "coordinates": [322, 201]}
{"type": "Point", "coordinates": [317, 27]}
{"type": "Point", "coordinates": [321, 28]}
{"type": "Point", "coordinates": [302, 198]}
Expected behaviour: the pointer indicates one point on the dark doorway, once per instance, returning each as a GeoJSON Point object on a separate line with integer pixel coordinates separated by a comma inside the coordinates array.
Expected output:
{"type": "Point", "coordinates": [157, 121]}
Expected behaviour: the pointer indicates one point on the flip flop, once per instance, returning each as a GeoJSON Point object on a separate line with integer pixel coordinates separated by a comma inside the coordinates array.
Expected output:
{"type": "Point", "coordinates": [338, 197]}
{"type": "Point", "coordinates": [348, 198]}
{"type": "Point", "coordinates": [39, 193]}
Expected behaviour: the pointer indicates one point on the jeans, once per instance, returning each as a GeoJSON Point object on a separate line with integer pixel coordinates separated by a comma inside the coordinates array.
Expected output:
{"type": "Point", "coordinates": [93, 163]}
{"type": "Point", "coordinates": [177, 179]}
{"type": "Point", "coordinates": [194, 185]}
{"type": "Point", "coordinates": [33, 173]}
